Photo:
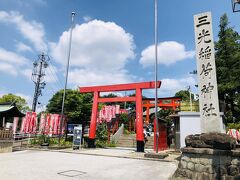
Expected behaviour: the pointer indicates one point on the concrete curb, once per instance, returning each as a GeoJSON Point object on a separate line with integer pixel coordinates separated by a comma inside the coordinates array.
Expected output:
{"type": "Point", "coordinates": [103, 155]}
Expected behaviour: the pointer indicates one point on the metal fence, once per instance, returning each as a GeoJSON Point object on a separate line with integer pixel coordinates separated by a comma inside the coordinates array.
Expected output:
{"type": "Point", "coordinates": [185, 106]}
{"type": "Point", "coordinates": [6, 134]}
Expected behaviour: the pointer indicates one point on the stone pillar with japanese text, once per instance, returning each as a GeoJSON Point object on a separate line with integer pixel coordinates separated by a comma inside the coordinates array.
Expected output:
{"type": "Point", "coordinates": [207, 81]}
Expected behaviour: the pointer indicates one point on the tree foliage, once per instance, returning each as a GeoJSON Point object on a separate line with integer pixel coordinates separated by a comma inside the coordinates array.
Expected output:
{"type": "Point", "coordinates": [184, 95]}
{"type": "Point", "coordinates": [77, 106]}
{"type": "Point", "coordinates": [228, 68]}
{"type": "Point", "coordinates": [20, 102]}
{"type": "Point", "coordinates": [122, 104]}
{"type": "Point", "coordinates": [101, 135]}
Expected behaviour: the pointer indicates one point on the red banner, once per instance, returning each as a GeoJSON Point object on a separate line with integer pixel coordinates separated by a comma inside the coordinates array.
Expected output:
{"type": "Point", "coordinates": [15, 123]}
{"type": "Point", "coordinates": [49, 124]}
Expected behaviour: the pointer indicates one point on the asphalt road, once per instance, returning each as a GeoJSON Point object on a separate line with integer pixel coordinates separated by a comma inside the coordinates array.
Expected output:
{"type": "Point", "coordinates": [46, 165]}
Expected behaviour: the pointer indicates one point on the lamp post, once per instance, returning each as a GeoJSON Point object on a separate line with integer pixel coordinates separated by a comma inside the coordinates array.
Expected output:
{"type": "Point", "coordinates": [156, 63]}
{"type": "Point", "coordinates": [67, 68]}
{"type": "Point", "coordinates": [235, 5]}
{"type": "Point", "coordinates": [190, 97]}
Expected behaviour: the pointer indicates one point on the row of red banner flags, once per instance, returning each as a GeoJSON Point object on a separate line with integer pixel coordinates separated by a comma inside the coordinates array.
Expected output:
{"type": "Point", "coordinates": [48, 124]}
{"type": "Point", "coordinates": [109, 112]}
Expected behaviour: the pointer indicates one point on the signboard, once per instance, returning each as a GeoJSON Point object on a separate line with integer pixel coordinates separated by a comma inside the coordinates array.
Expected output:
{"type": "Point", "coordinates": [77, 137]}
{"type": "Point", "coordinates": [208, 93]}
{"type": "Point", "coordinates": [70, 128]}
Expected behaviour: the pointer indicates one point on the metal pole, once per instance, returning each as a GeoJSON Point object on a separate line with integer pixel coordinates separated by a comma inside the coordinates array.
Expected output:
{"type": "Point", "coordinates": [190, 94]}
{"type": "Point", "coordinates": [125, 103]}
{"type": "Point", "coordinates": [67, 68]}
{"type": "Point", "coordinates": [156, 63]}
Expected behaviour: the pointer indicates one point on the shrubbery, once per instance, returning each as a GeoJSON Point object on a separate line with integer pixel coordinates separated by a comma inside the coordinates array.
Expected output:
{"type": "Point", "coordinates": [41, 139]}
{"type": "Point", "coordinates": [233, 126]}
{"type": "Point", "coordinates": [101, 135]}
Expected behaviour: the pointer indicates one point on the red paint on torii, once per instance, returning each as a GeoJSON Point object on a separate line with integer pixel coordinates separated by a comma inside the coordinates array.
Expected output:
{"type": "Point", "coordinates": [174, 102]}
{"type": "Point", "coordinates": [119, 87]}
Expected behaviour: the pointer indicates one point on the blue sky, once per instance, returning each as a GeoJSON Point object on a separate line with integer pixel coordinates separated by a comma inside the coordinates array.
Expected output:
{"type": "Point", "coordinates": [112, 42]}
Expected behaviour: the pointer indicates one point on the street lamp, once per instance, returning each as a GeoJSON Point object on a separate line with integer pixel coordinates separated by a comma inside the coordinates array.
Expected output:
{"type": "Point", "coordinates": [66, 78]}
{"type": "Point", "coordinates": [236, 5]}
{"type": "Point", "coordinates": [190, 97]}
{"type": "Point", "coordinates": [156, 70]}
{"type": "Point", "coordinates": [194, 72]}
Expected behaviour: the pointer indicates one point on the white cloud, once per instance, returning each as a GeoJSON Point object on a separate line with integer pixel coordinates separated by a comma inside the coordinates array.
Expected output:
{"type": "Point", "coordinates": [51, 74]}
{"type": "Point", "coordinates": [33, 31]}
{"type": "Point", "coordinates": [32, 2]}
{"type": "Point", "coordinates": [27, 73]}
{"type": "Point", "coordinates": [87, 77]}
{"type": "Point", "coordinates": [11, 57]}
{"type": "Point", "coordinates": [14, 64]}
{"type": "Point", "coordinates": [87, 18]}
{"type": "Point", "coordinates": [41, 2]}
{"type": "Point", "coordinates": [169, 52]}
{"type": "Point", "coordinates": [100, 51]}
{"type": "Point", "coordinates": [8, 69]}
{"type": "Point", "coordinates": [97, 45]}
{"type": "Point", "coordinates": [28, 98]}
{"type": "Point", "coordinates": [119, 94]}
{"type": "Point", "coordinates": [170, 86]}
{"type": "Point", "coordinates": [24, 96]}
{"type": "Point", "coordinates": [21, 47]}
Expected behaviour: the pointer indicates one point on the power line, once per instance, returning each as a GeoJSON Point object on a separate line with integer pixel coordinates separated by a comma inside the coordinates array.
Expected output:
{"type": "Point", "coordinates": [53, 71]}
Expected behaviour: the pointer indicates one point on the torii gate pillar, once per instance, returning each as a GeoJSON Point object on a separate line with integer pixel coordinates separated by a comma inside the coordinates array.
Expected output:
{"type": "Point", "coordinates": [120, 87]}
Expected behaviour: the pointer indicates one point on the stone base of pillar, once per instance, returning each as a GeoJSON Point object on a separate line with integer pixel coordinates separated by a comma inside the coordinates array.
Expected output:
{"type": "Point", "coordinates": [6, 146]}
{"type": "Point", "coordinates": [209, 156]}
{"type": "Point", "coordinates": [140, 146]}
{"type": "Point", "coordinates": [91, 143]}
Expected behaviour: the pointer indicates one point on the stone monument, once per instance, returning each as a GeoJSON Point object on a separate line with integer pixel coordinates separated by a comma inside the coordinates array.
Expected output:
{"type": "Point", "coordinates": [212, 154]}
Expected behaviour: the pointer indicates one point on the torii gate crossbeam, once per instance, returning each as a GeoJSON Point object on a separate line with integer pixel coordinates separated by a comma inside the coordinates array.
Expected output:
{"type": "Point", "coordinates": [119, 87]}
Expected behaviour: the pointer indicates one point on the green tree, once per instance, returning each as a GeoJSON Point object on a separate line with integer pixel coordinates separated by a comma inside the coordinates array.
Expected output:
{"type": "Point", "coordinates": [110, 95]}
{"type": "Point", "coordinates": [101, 135]}
{"type": "Point", "coordinates": [122, 104]}
{"type": "Point", "coordinates": [20, 102]}
{"type": "Point", "coordinates": [77, 106]}
{"type": "Point", "coordinates": [184, 94]}
{"type": "Point", "coordinates": [228, 67]}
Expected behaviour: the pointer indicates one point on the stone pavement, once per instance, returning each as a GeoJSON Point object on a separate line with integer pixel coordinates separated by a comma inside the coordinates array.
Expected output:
{"type": "Point", "coordinates": [84, 164]}
{"type": "Point", "coordinates": [120, 152]}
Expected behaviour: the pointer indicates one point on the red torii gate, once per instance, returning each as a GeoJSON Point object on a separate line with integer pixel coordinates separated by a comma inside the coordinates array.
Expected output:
{"type": "Point", "coordinates": [119, 87]}
{"type": "Point", "coordinates": [165, 103]}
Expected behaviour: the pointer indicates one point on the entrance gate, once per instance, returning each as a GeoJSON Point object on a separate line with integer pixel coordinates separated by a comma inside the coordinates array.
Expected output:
{"type": "Point", "coordinates": [119, 87]}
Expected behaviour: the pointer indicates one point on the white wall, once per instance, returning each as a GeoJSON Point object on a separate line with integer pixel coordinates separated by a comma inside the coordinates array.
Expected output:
{"type": "Point", "coordinates": [190, 124]}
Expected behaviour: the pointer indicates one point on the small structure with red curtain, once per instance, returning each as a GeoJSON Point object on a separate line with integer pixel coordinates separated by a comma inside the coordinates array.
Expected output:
{"type": "Point", "coordinates": [164, 103]}
{"type": "Point", "coordinates": [162, 140]}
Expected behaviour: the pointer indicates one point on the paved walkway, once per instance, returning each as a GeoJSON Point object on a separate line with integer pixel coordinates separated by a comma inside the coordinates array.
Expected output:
{"type": "Point", "coordinates": [120, 152]}
{"type": "Point", "coordinates": [84, 164]}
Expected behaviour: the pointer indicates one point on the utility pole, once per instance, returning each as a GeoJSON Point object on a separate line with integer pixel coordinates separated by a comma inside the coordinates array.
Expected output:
{"type": "Point", "coordinates": [38, 74]}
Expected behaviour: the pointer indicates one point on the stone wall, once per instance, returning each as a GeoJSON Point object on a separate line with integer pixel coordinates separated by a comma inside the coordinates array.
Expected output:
{"type": "Point", "coordinates": [6, 146]}
{"type": "Point", "coordinates": [204, 163]}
